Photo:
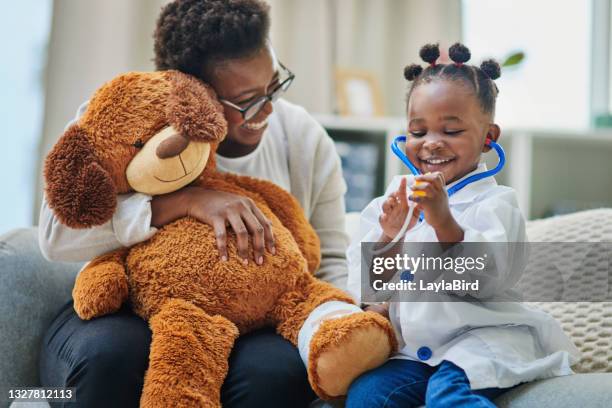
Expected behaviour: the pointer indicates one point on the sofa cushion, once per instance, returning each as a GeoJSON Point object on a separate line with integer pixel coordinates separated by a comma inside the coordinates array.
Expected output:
{"type": "Point", "coordinates": [32, 290]}
{"type": "Point", "coordinates": [589, 324]}
{"type": "Point", "coordinates": [580, 390]}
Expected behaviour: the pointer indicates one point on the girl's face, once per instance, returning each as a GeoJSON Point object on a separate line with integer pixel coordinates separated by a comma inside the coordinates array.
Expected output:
{"type": "Point", "coordinates": [241, 81]}
{"type": "Point", "coordinates": [447, 129]}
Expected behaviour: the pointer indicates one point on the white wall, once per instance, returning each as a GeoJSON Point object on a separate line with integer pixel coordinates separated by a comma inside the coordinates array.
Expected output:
{"type": "Point", "coordinates": [382, 36]}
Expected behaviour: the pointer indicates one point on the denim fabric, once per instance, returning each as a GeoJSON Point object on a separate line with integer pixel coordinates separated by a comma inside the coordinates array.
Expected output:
{"type": "Point", "coordinates": [406, 383]}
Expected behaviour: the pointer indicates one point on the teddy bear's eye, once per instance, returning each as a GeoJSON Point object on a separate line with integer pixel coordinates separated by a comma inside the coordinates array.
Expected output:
{"type": "Point", "coordinates": [138, 144]}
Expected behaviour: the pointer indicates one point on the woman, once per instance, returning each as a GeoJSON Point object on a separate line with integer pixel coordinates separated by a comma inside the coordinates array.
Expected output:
{"type": "Point", "coordinates": [224, 43]}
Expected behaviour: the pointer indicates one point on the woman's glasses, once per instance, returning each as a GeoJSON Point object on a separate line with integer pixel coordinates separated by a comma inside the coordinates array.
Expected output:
{"type": "Point", "coordinates": [253, 108]}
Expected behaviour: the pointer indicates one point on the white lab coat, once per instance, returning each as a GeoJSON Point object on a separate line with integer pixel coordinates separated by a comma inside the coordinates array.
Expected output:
{"type": "Point", "coordinates": [497, 344]}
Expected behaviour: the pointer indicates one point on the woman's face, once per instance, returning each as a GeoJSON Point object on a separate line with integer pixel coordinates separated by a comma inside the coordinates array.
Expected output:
{"type": "Point", "coordinates": [447, 129]}
{"type": "Point", "coordinates": [241, 81]}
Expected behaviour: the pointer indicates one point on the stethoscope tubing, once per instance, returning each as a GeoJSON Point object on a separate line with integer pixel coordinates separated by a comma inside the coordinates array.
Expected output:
{"type": "Point", "coordinates": [474, 177]}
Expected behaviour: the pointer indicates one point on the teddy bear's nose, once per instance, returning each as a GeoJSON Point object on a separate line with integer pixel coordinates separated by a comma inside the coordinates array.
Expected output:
{"type": "Point", "coordinates": [172, 146]}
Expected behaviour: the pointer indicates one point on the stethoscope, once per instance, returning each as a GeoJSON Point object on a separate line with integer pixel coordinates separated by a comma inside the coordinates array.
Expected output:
{"type": "Point", "coordinates": [450, 191]}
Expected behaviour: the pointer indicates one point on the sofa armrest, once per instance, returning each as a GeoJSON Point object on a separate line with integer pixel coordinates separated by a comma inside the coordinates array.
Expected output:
{"type": "Point", "coordinates": [32, 290]}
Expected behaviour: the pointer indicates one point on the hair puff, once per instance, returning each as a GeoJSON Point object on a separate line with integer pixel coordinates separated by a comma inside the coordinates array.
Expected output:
{"type": "Point", "coordinates": [491, 68]}
{"type": "Point", "coordinates": [430, 53]}
{"type": "Point", "coordinates": [459, 53]}
{"type": "Point", "coordinates": [412, 71]}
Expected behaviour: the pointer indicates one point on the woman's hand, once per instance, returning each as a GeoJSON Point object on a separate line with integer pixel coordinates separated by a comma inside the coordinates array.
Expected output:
{"type": "Point", "coordinates": [218, 209]}
{"type": "Point", "coordinates": [395, 211]}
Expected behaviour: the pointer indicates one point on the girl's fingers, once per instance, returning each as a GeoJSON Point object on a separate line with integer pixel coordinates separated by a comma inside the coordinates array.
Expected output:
{"type": "Point", "coordinates": [389, 204]}
{"type": "Point", "coordinates": [401, 192]}
{"type": "Point", "coordinates": [437, 178]}
{"type": "Point", "coordinates": [416, 199]}
{"type": "Point", "coordinates": [383, 218]}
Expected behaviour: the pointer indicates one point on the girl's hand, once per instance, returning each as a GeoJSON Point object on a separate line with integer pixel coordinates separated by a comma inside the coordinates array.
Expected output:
{"type": "Point", "coordinates": [218, 209]}
{"type": "Point", "coordinates": [395, 211]}
{"type": "Point", "coordinates": [382, 309]}
{"type": "Point", "coordinates": [429, 192]}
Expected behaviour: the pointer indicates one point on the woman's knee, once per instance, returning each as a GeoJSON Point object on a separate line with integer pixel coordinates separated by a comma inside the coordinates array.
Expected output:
{"type": "Point", "coordinates": [113, 358]}
{"type": "Point", "coordinates": [104, 359]}
{"type": "Point", "coordinates": [266, 370]}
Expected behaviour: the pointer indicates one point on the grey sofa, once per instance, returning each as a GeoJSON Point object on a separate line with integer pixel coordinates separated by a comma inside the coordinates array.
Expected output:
{"type": "Point", "coordinates": [32, 290]}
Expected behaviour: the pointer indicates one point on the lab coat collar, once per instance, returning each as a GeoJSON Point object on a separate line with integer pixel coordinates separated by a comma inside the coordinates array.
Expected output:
{"type": "Point", "coordinates": [472, 190]}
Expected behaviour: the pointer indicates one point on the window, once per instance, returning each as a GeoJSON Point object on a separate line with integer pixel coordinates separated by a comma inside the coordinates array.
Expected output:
{"type": "Point", "coordinates": [551, 88]}
{"type": "Point", "coordinates": [24, 34]}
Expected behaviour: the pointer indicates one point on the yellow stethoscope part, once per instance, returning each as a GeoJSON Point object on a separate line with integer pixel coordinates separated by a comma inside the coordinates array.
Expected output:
{"type": "Point", "coordinates": [419, 193]}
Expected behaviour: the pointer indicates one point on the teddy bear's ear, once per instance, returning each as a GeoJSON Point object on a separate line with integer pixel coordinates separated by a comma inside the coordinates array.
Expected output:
{"type": "Point", "coordinates": [78, 190]}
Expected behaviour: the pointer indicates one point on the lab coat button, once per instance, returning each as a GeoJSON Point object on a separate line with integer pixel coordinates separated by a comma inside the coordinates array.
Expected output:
{"type": "Point", "coordinates": [407, 276]}
{"type": "Point", "coordinates": [424, 353]}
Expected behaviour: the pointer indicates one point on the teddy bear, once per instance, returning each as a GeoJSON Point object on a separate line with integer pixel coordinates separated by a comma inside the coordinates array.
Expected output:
{"type": "Point", "coordinates": [157, 132]}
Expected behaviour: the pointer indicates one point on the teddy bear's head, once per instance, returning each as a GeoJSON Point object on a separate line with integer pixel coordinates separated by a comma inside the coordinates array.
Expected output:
{"type": "Point", "coordinates": [150, 132]}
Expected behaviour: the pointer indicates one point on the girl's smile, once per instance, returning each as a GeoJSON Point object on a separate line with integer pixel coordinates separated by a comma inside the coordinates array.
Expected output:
{"type": "Point", "coordinates": [447, 129]}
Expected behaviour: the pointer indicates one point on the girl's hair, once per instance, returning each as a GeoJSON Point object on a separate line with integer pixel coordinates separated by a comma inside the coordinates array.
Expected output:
{"type": "Point", "coordinates": [480, 79]}
{"type": "Point", "coordinates": [190, 34]}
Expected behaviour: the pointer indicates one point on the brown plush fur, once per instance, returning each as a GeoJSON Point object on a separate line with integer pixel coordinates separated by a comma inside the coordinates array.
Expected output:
{"type": "Point", "coordinates": [78, 189]}
{"type": "Point", "coordinates": [191, 346]}
{"type": "Point", "coordinates": [337, 333]}
{"type": "Point", "coordinates": [103, 280]}
{"type": "Point", "coordinates": [196, 304]}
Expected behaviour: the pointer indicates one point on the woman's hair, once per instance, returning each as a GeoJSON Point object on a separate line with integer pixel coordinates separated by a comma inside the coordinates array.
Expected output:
{"type": "Point", "coordinates": [480, 79]}
{"type": "Point", "coordinates": [190, 34]}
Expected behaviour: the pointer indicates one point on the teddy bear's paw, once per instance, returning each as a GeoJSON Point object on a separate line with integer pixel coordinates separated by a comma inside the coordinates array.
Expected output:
{"type": "Point", "coordinates": [346, 347]}
{"type": "Point", "coordinates": [100, 290]}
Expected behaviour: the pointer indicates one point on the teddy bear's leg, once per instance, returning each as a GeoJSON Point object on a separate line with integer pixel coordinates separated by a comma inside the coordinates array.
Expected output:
{"type": "Point", "coordinates": [338, 345]}
{"type": "Point", "coordinates": [337, 340]}
{"type": "Point", "coordinates": [188, 357]}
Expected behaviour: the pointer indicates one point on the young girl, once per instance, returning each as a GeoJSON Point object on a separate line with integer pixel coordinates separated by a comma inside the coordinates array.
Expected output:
{"type": "Point", "coordinates": [454, 354]}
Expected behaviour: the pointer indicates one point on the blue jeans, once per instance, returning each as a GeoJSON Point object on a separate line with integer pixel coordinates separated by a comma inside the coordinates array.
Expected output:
{"type": "Point", "coordinates": [406, 383]}
{"type": "Point", "coordinates": [106, 359]}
